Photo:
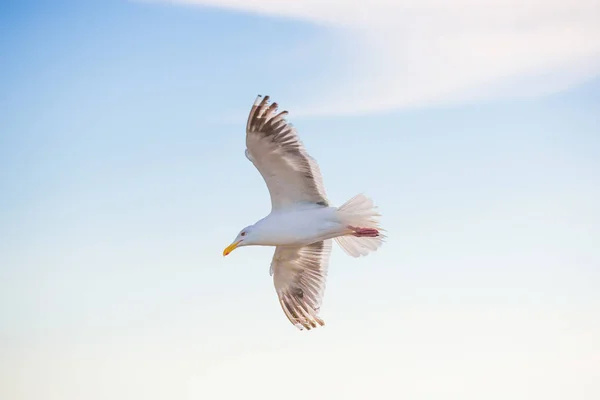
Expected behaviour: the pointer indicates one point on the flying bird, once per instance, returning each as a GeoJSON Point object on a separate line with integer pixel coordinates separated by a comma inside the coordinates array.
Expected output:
{"type": "Point", "coordinates": [302, 223]}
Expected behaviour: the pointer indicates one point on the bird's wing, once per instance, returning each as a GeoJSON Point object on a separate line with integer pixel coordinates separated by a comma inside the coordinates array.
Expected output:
{"type": "Point", "coordinates": [299, 275]}
{"type": "Point", "coordinates": [272, 144]}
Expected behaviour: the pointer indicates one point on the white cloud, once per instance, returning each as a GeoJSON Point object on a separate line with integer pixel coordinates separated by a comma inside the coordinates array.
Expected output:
{"type": "Point", "coordinates": [412, 53]}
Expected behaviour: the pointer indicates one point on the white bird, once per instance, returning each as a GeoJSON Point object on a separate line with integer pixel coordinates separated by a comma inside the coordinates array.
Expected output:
{"type": "Point", "coordinates": [301, 223]}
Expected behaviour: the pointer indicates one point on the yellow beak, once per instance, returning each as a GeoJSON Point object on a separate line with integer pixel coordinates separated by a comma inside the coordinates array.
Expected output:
{"type": "Point", "coordinates": [231, 248]}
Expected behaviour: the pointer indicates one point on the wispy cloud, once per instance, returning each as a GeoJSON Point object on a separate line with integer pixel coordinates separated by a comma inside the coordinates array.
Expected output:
{"type": "Point", "coordinates": [413, 53]}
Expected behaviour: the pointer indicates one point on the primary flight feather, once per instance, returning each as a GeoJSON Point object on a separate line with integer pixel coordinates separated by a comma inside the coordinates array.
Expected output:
{"type": "Point", "coordinates": [302, 223]}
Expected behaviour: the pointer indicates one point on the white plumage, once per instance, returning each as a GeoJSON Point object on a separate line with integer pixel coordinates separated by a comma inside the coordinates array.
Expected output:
{"type": "Point", "coordinates": [301, 223]}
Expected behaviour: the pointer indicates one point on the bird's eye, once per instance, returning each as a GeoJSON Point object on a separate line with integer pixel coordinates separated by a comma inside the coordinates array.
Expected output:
{"type": "Point", "coordinates": [243, 233]}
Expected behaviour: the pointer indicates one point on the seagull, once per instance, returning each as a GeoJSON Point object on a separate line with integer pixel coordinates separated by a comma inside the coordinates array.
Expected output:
{"type": "Point", "coordinates": [302, 223]}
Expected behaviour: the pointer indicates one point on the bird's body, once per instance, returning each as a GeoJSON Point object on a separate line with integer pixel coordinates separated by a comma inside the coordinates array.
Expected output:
{"type": "Point", "coordinates": [302, 223]}
{"type": "Point", "coordinates": [311, 224]}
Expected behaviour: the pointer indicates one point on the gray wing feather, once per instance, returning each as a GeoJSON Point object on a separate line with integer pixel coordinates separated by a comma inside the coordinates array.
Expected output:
{"type": "Point", "coordinates": [299, 275]}
{"type": "Point", "coordinates": [273, 146]}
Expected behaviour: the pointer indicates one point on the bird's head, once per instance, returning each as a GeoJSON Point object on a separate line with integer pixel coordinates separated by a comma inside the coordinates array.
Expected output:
{"type": "Point", "coordinates": [243, 238]}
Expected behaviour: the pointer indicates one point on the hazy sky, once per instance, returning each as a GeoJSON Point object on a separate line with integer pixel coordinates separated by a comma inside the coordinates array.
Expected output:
{"type": "Point", "coordinates": [122, 177]}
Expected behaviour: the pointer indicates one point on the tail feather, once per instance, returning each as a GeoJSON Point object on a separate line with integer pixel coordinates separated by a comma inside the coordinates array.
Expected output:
{"type": "Point", "coordinates": [364, 234]}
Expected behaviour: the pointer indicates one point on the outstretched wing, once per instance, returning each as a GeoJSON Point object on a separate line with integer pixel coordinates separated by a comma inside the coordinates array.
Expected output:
{"type": "Point", "coordinates": [291, 174]}
{"type": "Point", "coordinates": [299, 275]}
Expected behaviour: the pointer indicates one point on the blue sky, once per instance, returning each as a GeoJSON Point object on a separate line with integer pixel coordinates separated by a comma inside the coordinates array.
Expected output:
{"type": "Point", "coordinates": [122, 178]}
